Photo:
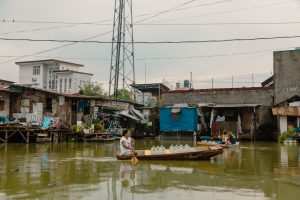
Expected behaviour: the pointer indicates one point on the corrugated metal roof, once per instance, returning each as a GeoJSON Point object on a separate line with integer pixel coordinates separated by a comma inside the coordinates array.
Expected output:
{"type": "Point", "coordinates": [219, 90]}
{"type": "Point", "coordinates": [286, 110]}
{"type": "Point", "coordinates": [212, 105]}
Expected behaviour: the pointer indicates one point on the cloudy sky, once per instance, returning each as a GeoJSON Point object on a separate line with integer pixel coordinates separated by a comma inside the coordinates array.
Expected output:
{"type": "Point", "coordinates": [194, 21]}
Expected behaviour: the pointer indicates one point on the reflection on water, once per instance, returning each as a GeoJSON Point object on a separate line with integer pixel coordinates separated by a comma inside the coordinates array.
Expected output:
{"type": "Point", "coordinates": [90, 171]}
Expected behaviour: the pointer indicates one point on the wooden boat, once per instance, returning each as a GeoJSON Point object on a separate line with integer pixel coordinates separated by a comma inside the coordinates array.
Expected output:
{"type": "Point", "coordinates": [207, 144]}
{"type": "Point", "coordinates": [290, 142]}
{"type": "Point", "coordinates": [191, 154]}
{"type": "Point", "coordinates": [103, 138]}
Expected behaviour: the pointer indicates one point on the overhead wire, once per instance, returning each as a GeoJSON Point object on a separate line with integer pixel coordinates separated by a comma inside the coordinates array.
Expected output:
{"type": "Point", "coordinates": [229, 11]}
{"type": "Point", "coordinates": [54, 48]}
{"type": "Point", "coordinates": [177, 8]}
{"type": "Point", "coordinates": [98, 22]}
{"type": "Point", "coordinates": [59, 47]}
{"type": "Point", "coordinates": [165, 11]}
{"type": "Point", "coordinates": [38, 29]}
{"type": "Point", "coordinates": [201, 5]}
{"type": "Point", "coordinates": [160, 42]}
{"type": "Point", "coordinates": [219, 23]}
{"type": "Point", "coordinates": [165, 58]}
{"type": "Point", "coordinates": [153, 42]}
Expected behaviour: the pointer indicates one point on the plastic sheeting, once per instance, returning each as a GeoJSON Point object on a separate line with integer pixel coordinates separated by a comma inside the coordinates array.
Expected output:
{"type": "Point", "coordinates": [186, 120]}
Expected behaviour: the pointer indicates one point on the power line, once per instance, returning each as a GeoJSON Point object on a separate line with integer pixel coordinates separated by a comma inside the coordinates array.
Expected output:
{"type": "Point", "coordinates": [177, 8]}
{"type": "Point", "coordinates": [159, 24]}
{"type": "Point", "coordinates": [55, 48]}
{"type": "Point", "coordinates": [165, 11]}
{"type": "Point", "coordinates": [229, 11]}
{"type": "Point", "coordinates": [218, 23]}
{"type": "Point", "coordinates": [59, 47]}
{"type": "Point", "coordinates": [202, 5]}
{"type": "Point", "coordinates": [38, 29]}
{"type": "Point", "coordinates": [153, 42]}
{"type": "Point", "coordinates": [99, 22]}
{"type": "Point", "coordinates": [163, 58]}
{"type": "Point", "coordinates": [54, 22]}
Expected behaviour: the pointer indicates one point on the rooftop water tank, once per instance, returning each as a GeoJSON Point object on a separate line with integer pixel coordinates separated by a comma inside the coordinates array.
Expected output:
{"type": "Point", "coordinates": [186, 83]}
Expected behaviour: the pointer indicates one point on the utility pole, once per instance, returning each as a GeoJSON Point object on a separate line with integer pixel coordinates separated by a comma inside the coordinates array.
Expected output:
{"type": "Point", "coordinates": [122, 51]}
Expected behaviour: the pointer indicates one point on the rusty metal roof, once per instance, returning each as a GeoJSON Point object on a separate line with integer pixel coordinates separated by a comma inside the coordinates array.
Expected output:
{"type": "Point", "coordinates": [213, 105]}
{"type": "Point", "coordinates": [286, 110]}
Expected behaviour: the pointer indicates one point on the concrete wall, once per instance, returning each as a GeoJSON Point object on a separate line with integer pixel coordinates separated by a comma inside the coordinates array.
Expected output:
{"type": "Point", "coordinates": [80, 80]}
{"type": "Point", "coordinates": [67, 66]}
{"type": "Point", "coordinates": [42, 80]}
{"type": "Point", "coordinates": [26, 75]}
{"type": "Point", "coordinates": [286, 74]}
{"type": "Point", "coordinates": [262, 96]}
{"type": "Point", "coordinates": [282, 124]}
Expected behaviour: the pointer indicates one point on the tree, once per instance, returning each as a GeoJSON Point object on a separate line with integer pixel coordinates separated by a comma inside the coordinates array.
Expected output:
{"type": "Point", "coordinates": [125, 95]}
{"type": "Point", "coordinates": [92, 89]}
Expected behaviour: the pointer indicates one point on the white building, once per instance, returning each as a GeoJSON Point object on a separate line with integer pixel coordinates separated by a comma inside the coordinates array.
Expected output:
{"type": "Point", "coordinates": [53, 75]}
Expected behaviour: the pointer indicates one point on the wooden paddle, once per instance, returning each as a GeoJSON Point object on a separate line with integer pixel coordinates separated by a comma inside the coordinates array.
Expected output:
{"type": "Point", "coordinates": [134, 159]}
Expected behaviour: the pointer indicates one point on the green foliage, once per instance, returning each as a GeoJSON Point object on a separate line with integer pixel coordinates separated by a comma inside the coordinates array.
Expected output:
{"type": "Point", "coordinates": [92, 89]}
{"type": "Point", "coordinates": [125, 95]}
{"type": "Point", "coordinates": [99, 126]}
{"type": "Point", "coordinates": [76, 128]}
{"type": "Point", "coordinates": [285, 135]}
{"type": "Point", "coordinates": [152, 102]}
{"type": "Point", "coordinates": [86, 125]}
{"type": "Point", "coordinates": [95, 120]}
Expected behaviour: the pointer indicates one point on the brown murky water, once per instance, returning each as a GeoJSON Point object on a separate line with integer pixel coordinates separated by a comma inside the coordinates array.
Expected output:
{"type": "Point", "coordinates": [90, 171]}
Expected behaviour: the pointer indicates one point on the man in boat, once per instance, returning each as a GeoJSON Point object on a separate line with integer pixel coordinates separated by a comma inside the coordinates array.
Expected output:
{"type": "Point", "coordinates": [231, 137]}
{"type": "Point", "coordinates": [228, 138]}
{"type": "Point", "coordinates": [126, 144]}
{"type": "Point", "coordinates": [225, 138]}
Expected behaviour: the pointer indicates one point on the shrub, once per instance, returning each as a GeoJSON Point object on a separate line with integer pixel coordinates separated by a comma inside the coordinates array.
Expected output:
{"type": "Point", "coordinates": [285, 135]}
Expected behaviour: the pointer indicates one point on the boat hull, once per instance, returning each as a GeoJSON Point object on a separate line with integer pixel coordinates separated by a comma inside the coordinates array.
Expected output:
{"type": "Point", "coordinates": [191, 155]}
{"type": "Point", "coordinates": [201, 144]}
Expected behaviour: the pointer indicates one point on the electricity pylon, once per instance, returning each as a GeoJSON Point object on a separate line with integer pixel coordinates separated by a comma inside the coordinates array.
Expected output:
{"type": "Point", "coordinates": [122, 53]}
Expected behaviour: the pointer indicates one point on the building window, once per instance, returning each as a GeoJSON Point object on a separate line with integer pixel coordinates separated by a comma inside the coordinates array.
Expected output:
{"type": "Point", "coordinates": [70, 85]}
{"type": "Point", "coordinates": [36, 70]}
{"type": "Point", "coordinates": [55, 85]}
{"type": "Point", "coordinates": [60, 85]}
{"type": "Point", "coordinates": [66, 82]}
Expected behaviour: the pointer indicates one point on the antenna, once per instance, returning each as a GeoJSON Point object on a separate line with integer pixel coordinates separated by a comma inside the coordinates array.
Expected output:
{"type": "Point", "coordinates": [122, 52]}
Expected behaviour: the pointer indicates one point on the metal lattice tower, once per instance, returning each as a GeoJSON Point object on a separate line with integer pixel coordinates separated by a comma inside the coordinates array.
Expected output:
{"type": "Point", "coordinates": [122, 54]}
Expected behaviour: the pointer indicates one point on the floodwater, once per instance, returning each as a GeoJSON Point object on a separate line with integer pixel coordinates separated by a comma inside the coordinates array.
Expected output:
{"type": "Point", "coordinates": [90, 171]}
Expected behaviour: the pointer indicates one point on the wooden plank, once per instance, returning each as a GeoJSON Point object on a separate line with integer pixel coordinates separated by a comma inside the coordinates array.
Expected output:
{"type": "Point", "coordinates": [23, 136]}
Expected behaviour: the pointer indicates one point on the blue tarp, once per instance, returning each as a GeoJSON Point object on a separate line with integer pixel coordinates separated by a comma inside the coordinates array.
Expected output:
{"type": "Point", "coordinates": [46, 122]}
{"type": "Point", "coordinates": [183, 120]}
